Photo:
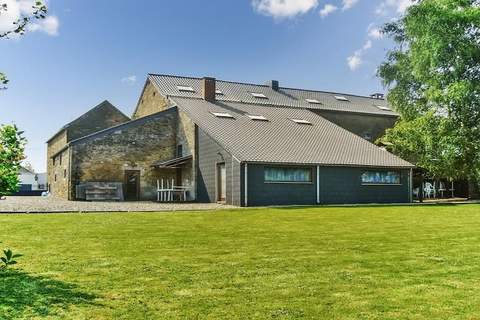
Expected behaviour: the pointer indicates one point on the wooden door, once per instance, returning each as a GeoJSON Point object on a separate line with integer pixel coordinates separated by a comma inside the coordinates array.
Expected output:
{"type": "Point", "coordinates": [221, 182]}
{"type": "Point", "coordinates": [132, 185]}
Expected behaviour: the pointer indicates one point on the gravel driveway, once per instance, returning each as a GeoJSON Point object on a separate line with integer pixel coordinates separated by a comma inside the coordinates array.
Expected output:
{"type": "Point", "coordinates": [51, 204]}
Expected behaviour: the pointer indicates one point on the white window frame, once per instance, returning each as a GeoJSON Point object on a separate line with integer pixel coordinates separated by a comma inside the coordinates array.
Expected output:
{"type": "Point", "coordinates": [257, 117]}
{"type": "Point", "coordinates": [341, 98]}
{"type": "Point", "coordinates": [258, 95]}
{"type": "Point", "coordinates": [313, 101]}
{"type": "Point", "coordinates": [223, 115]}
{"type": "Point", "coordinates": [185, 88]}
{"type": "Point", "coordinates": [301, 121]}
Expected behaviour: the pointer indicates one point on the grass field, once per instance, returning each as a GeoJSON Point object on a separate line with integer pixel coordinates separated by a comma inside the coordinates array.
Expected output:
{"type": "Point", "coordinates": [305, 263]}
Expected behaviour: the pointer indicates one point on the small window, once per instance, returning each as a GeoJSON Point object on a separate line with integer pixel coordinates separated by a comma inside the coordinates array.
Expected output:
{"type": "Point", "coordinates": [219, 92]}
{"type": "Point", "coordinates": [54, 160]}
{"type": "Point", "coordinates": [287, 175]}
{"type": "Point", "coordinates": [258, 95]}
{"type": "Point", "coordinates": [185, 89]}
{"type": "Point", "coordinates": [301, 121]}
{"type": "Point", "coordinates": [222, 115]}
{"type": "Point", "coordinates": [60, 158]}
{"type": "Point", "coordinates": [64, 173]}
{"type": "Point", "coordinates": [313, 101]}
{"type": "Point", "coordinates": [259, 118]}
{"type": "Point", "coordinates": [55, 178]}
{"type": "Point", "coordinates": [341, 98]}
{"type": "Point", "coordinates": [179, 151]}
{"type": "Point", "coordinates": [154, 93]}
{"type": "Point", "coordinates": [385, 108]}
{"type": "Point", "coordinates": [381, 177]}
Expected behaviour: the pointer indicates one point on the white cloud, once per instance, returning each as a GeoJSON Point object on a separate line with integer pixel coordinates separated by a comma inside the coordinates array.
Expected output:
{"type": "Point", "coordinates": [49, 25]}
{"type": "Point", "coordinates": [130, 80]}
{"type": "Point", "coordinates": [327, 10]}
{"type": "Point", "coordinates": [374, 33]}
{"type": "Point", "coordinates": [284, 8]}
{"type": "Point", "coordinates": [356, 59]}
{"type": "Point", "coordinates": [397, 6]}
{"type": "Point", "coordinates": [18, 8]}
{"type": "Point", "coordinates": [348, 4]}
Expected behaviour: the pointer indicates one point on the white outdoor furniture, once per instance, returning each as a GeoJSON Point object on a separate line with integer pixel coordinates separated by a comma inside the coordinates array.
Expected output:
{"type": "Point", "coordinates": [166, 191]}
{"type": "Point", "coordinates": [441, 188]}
{"type": "Point", "coordinates": [429, 190]}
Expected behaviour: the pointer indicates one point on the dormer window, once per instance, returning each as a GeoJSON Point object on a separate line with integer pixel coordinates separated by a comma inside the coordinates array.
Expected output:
{"type": "Point", "coordinates": [384, 108]}
{"type": "Point", "coordinates": [219, 92]}
{"type": "Point", "coordinates": [313, 101]}
{"type": "Point", "coordinates": [341, 98]}
{"type": "Point", "coordinates": [258, 95]}
{"type": "Point", "coordinates": [301, 121]}
{"type": "Point", "coordinates": [256, 117]}
{"type": "Point", "coordinates": [185, 89]}
{"type": "Point", "coordinates": [222, 115]}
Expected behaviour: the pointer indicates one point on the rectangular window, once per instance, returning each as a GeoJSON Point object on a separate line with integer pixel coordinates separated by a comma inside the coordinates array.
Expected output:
{"type": "Point", "coordinates": [60, 159]}
{"type": "Point", "coordinates": [288, 174]}
{"type": "Point", "coordinates": [54, 160]}
{"type": "Point", "coordinates": [381, 177]}
{"type": "Point", "coordinates": [64, 173]}
{"type": "Point", "coordinates": [179, 151]}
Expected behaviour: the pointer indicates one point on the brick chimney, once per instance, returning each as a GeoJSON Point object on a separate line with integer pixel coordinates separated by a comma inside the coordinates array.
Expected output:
{"type": "Point", "coordinates": [208, 89]}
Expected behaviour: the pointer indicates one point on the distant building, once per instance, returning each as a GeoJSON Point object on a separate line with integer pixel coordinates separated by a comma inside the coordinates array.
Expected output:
{"type": "Point", "coordinates": [31, 181]}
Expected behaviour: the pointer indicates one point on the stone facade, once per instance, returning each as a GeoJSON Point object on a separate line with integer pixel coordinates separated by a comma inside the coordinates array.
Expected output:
{"type": "Point", "coordinates": [136, 145]}
{"type": "Point", "coordinates": [103, 116]}
{"type": "Point", "coordinates": [150, 102]}
{"type": "Point", "coordinates": [368, 126]}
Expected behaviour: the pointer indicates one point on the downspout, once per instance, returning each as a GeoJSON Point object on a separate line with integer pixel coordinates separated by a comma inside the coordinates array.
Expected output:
{"type": "Point", "coordinates": [411, 186]}
{"type": "Point", "coordinates": [318, 184]}
{"type": "Point", "coordinates": [246, 184]}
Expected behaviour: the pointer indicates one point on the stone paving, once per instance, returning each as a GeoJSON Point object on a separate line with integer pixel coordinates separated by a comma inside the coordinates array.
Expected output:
{"type": "Point", "coordinates": [51, 204]}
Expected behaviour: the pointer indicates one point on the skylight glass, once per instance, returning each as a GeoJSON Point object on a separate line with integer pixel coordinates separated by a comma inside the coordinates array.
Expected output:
{"type": "Point", "coordinates": [218, 92]}
{"type": "Point", "coordinates": [301, 121]}
{"type": "Point", "coordinates": [384, 108]}
{"type": "Point", "coordinates": [259, 95]}
{"type": "Point", "coordinates": [259, 118]}
{"type": "Point", "coordinates": [314, 101]}
{"type": "Point", "coordinates": [341, 98]}
{"type": "Point", "coordinates": [185, 89]}
{"type": "Point", "coordinates": [223, 115]}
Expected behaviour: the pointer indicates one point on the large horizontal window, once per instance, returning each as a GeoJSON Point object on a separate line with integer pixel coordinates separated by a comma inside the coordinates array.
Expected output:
{"type": "Point", "coordinates": [381, 177]}
{"type": "Point", "coordinates": [288, 174]}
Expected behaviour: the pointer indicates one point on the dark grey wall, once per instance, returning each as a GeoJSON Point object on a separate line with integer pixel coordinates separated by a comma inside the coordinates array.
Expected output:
{"type": "Point", "coordinates": [264, 194]}
{"type": "Point", "coordinates": [338, 185]}
{"type": "Point", "coordinates": [209, 153]}
{"type": "Point", "coordinates": [344, 185]}
{"type": "Point", "coordinates": [360, 124]}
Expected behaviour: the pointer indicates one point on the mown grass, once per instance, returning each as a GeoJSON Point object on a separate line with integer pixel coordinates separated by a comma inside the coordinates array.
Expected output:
{"type": "Point", "coordinates": [303, 263]}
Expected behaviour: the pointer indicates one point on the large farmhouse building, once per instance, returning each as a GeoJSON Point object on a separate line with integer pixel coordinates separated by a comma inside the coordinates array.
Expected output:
{"type": "Point", "coordinates": [242, 144]}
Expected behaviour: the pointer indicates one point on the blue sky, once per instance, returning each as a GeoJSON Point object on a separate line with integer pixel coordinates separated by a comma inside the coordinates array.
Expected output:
{"type": "Point", "coordinates": [88, 51]}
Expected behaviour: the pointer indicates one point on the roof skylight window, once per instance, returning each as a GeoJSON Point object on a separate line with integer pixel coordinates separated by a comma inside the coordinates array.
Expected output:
{"type": "Point", "coordinates": [259, 95]}
{"type": "Point", "coordinates": [258, 118]}
{"type": "Point", "coordinates": [218, 92]}
{"type": "Point", "coordinates": [185, 89]}
{"type": "Point", "coordinates": [301, 121]}
{"type": "Point", "coordinates": [385, 108]}
{"type": "Point", "coordinates": [313, 101]}
{"type": "Point", "coordinates": [223, 115]}
{"type": "Point", "coordinates": [341, 98]}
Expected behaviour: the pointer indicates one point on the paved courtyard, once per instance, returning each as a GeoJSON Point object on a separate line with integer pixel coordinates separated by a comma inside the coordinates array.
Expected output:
{"type": "Point", "coordinates": [51, 204]}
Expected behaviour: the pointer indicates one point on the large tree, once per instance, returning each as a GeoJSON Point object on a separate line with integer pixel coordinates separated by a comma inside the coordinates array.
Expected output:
{"type": "Point", "coordinates": [12, 146]}
{"type": "Point", "coordinates": [19, 26]}
{"type": "Point", "coordinates": [434, 78]}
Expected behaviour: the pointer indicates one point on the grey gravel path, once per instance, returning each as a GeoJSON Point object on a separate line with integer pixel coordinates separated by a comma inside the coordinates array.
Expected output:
{"type": "Point", "coordinates": [51, 204]}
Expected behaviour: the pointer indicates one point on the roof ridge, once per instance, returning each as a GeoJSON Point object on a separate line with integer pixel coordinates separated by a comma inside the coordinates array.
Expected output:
{"type": "Point", "coordinates": [265, 85]}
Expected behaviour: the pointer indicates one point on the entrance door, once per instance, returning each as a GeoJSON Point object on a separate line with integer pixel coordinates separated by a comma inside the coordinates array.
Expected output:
{"type": "Point", "coordinates": [221, 182]}
{"type": "Point", "coordinates": [132, 185]}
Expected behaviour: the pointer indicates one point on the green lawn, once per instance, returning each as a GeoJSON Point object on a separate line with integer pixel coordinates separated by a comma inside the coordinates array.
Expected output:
{"type": "Point", "coordinates": [306, 263]}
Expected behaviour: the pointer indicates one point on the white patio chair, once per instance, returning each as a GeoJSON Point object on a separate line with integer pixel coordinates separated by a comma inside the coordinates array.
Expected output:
{"type": "Point", "coordinates": [441, 188]}
{"type": "Point", "coordinates": [429, 190]}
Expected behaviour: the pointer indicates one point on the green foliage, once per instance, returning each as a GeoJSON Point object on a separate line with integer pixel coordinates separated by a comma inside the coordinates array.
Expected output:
{"type": "Point", "coordinates": [434, 76]}
{"type": "Point", "coordinates": [12, 146]}
{"type": "Point", "coordinates": [8, 259]}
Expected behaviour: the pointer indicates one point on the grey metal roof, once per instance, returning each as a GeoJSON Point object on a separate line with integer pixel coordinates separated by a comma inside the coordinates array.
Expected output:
{"type": "Point", "coordinates": [280, 140]}
{"type": "Point", "coordinates": [241, 92]}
